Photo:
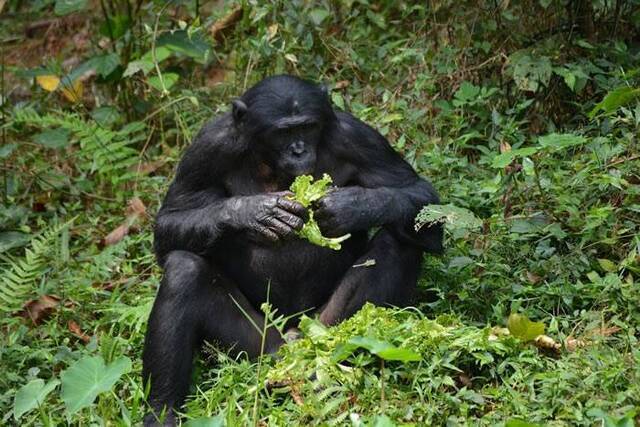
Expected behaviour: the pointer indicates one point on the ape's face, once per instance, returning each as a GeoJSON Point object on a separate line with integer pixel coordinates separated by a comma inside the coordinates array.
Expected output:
{"type": "Point", "coordinates": [291, 151]}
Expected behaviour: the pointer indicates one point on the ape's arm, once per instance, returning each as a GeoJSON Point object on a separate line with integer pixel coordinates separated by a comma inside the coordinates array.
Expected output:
{"type": "Point", "coordinates": [388, 191]}
{"type": "Point", "coordinates": [197, 210]}
{"type": "Point", "coordinates": [191, 217]}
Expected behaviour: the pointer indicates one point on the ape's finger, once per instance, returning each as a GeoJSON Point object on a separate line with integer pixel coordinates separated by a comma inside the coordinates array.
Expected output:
{"type": "Point", "coordinates": [291, 220]}
{"type": "Point", "coordinates": [292, 206]}
{"type": "Point", "coordinates": [267, 233]}
{"type": "Point", "coordinates": [279, 227]}
{"type": "Point", "coordinates": [323, 209]}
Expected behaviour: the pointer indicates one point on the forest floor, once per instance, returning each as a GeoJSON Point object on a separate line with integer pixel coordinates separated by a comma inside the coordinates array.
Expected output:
{"type": "Point", "coordinates": [528, 131]}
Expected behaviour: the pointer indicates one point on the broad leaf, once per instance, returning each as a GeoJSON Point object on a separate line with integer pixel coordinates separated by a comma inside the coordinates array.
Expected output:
{"type": "Point", "coordinates": [504, 159]}
{"type": "Point", "coordinates": [32, 395]}
{"type": "Point", "coordinates": [514, 422]}
{"type": "Point", "coordinates": [382, 349]}
{"type": "Point", "coordinates": [521, 327]}
{"type": "Point", "coordinates": [319, 15]}
{"type": "Point", "coordinates": [557, 141]}
{"type": "Point", "coordinates": [145, 64]}
{"type": "Point", "coordinates": [65, 7]}
{"type": "Point", "coordinates": [616, 99]}
{"type": "Point", "coordinates": [13, 239]}
{"type": "Point", "coordinates": [383, 421]}
{"type": "Point", "coordinates": [217, 421]}
{"type": "Point", "coordinates": [6, 150]}
{"type": "Point", "coordinates": [192, 45]}
{"type": "Point", "coordinates": [83, 381]}
{"type": "Point", "coordinates": [168, 79]}
{"type": "Point", "coordinates": [450, 215]}
{"type": "Point", "coordinates": [53, 138]}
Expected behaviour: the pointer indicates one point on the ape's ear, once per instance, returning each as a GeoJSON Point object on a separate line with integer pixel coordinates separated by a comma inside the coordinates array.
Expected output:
{"type": "Point", "coordinates": [239, 109]}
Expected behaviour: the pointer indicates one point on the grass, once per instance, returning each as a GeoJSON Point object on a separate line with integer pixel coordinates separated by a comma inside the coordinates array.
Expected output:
{"type": "Point", "coordinates": [495, 113]}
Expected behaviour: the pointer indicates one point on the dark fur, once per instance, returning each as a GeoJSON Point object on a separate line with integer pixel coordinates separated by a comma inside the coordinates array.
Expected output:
{"type": "Point", "coordinates": [210, 245]}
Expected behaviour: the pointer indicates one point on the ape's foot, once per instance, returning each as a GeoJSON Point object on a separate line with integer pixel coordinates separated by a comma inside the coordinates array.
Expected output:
{"type": "Point", "coordinates": [168, 419]}
{"type": "Point", "coordinates": [293, 334]}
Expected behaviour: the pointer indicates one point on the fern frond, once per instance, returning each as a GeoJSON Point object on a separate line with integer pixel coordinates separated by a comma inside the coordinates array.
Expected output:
{"type": "Point", "coordinates": [103, 151]}
{"type": "Point", "coordinates": [19, 275]}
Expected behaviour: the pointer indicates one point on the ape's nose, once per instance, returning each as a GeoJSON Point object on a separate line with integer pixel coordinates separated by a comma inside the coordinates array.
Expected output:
{"type": "Point", "coordinates": [298, 149]}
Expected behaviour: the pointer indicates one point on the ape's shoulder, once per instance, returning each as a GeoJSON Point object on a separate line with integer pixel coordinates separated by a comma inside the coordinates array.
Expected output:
{"type": "Point", "coordinates": [212, 152]}
{"type": "Point", "coordinates": [219, 133]}
{"type": "Point", "coordinates": [357, 131]}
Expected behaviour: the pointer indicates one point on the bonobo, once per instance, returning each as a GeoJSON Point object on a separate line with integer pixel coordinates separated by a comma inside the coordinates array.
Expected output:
{"type": "Point", "coordinates": [226, 230]}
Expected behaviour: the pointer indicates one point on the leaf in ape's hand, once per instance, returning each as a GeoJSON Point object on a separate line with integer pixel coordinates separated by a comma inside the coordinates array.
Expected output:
{"type": "Point", "coordinates": [306, 192]}
{"type": "Point", "coordinates": [312, 233]}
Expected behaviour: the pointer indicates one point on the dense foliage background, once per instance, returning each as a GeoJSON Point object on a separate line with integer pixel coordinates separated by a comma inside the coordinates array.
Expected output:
{"type": "Point", "coordinates": [524, 113]}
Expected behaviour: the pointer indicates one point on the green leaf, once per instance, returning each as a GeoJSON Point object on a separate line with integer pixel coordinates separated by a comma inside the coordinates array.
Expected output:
{"type": "Point", "coordinates": [608, 266]}
{"type": "Point", "coordinates": [521, 327]}
{"type": "Point", "coordinates": [312, 328]}
{"type": "Point", "coordinates": [105, 116]}
{"type": "Point", "coordinates": [217, 421]}
{"type": "Point", "coordinates": [169, 79]}
{"type": "Point", "coordinates": [192, 45]}
{"type": "Point", "coordinates": [394, 117]}
{"type": "Point", "coordinates": [452, 216]}
{"type": "Point", "coordinates": [145, 63]}
{"type": "Point", "coordinates": [529, 72]}
{"type": "Point", "coordinates": [311, 232]}
{"type": "Point", "coordinates": [559, 141]}
{"type": "Point", "coordinates": [31, 396]}
{"type": "Point", "coordinates": [383, 421]}
{"type": "Point", "coordinates": [382, 349]}
{"type": "Point", "coordinates": [105, 64]}
{"type": "Point", "coordinates": [83, 381]}
{"type": "Point", "coordinates": [6, 150]}
{"type": "Point", "coordinates": [337, 100]}
{"type": "Point", "coordinates": [306, 192]}
{"type": "Point", "coordinates": [115, 26]}
{"type": "Point", "coordinates": [467, 92]}
{"type": "Point", "coordinates": [54, 138]}
{"type": "Point", "coordinates": [101, 64]}
{"type": "Point", "coordinates": [616, 99]}
{"type": "Point", "coordinates": [318, 16]}
{"type": "Point", "coordinates": [504, 159]}
{"type": "Point", "coordinates": [13, 239]}
{"type": "Point", "coordinates": [65, 7]}
{"type": "Point", "coordinates": [514, 422]}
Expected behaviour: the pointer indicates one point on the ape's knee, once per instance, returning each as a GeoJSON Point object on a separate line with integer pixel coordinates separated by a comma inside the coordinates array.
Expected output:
{"type": "Point", "coordinates": [184, 274]}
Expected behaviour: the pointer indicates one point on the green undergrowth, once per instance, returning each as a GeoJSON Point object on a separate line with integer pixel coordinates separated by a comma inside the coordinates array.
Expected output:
{"type": "Point", "coordinates": [525, 118]}
{"type": "Point", "coordinates": [464, 375]}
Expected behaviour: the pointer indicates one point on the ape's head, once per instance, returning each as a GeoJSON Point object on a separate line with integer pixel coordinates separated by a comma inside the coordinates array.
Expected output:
{"type": "Point", "coordinates": [284, 120]}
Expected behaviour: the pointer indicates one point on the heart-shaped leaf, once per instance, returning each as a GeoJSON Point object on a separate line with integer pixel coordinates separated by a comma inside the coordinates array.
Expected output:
{"type": "Point", "coordinates": [32, 395]}
{"type": "Point", "coordinates": [83, 381]}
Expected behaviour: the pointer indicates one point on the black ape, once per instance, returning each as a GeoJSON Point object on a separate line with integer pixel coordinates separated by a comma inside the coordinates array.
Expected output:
{"type": "Point", "coordinates": [226, 228]}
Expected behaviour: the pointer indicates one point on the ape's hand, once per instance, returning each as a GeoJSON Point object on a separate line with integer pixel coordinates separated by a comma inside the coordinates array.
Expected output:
{"type": "Point", "coordinates": [349, 209]}
{"type": "Point", "coordinates": [272, 216]}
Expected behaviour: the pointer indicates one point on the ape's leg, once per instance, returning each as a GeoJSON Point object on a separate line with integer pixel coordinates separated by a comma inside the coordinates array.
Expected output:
{"type": "Point", "coordinates": [193, 304]}
{"type": "Point", "coordinates": [391, 280]}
